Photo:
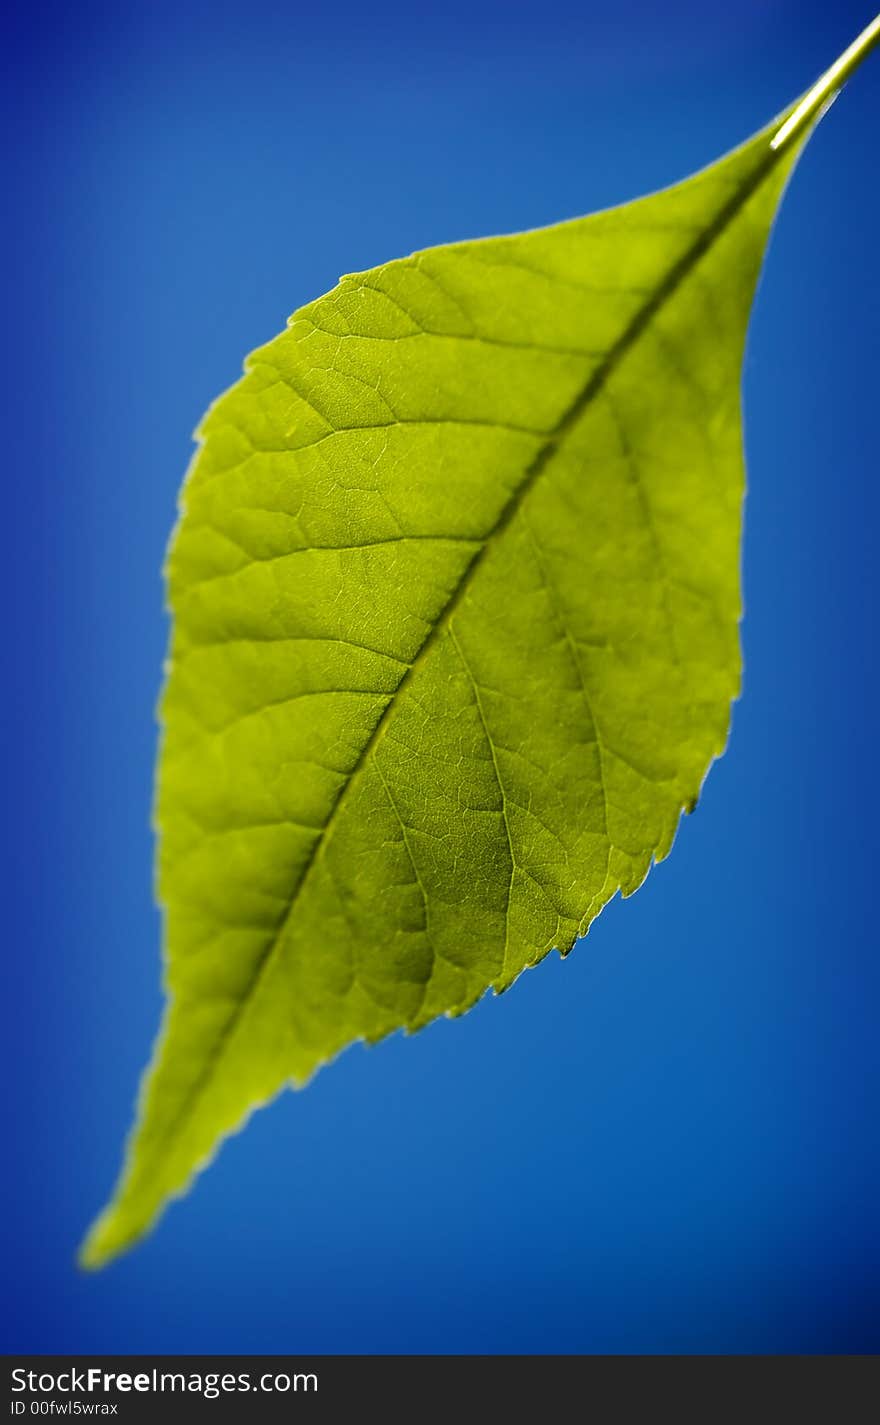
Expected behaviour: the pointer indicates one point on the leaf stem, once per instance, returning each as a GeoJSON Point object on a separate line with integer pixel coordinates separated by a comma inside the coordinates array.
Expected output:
{"type": "Point", "coordinates": [827, 88]}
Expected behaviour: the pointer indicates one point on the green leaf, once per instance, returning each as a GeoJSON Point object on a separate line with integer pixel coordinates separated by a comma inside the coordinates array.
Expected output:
{"type": "Point", "coordinates": [456, 599]}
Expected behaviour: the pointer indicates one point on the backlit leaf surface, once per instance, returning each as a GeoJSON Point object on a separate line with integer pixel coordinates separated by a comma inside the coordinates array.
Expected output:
{"type": "Point", "coordinates": [456, 595]}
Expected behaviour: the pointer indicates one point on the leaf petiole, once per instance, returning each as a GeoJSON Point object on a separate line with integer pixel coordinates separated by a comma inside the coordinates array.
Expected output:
{"type": "Point", "coordinates": [827, 88]}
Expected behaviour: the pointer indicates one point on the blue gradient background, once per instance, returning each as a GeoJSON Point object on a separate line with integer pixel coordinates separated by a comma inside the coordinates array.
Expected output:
{"type": "Point", "coordinates": [666, 1143]}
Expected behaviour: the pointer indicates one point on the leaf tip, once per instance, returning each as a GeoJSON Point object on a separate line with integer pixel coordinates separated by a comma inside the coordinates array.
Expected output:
{"type": "Point", "coordinates": [103, 1241]}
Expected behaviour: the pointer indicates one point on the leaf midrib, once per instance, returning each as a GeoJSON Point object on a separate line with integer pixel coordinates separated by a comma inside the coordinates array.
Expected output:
{"type": "Point", "coordinates": [677, 273]}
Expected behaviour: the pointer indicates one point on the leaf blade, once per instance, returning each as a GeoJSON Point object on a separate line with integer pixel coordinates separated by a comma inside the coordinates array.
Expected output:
{"type": "Point", "coordinates": [295, 580]}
